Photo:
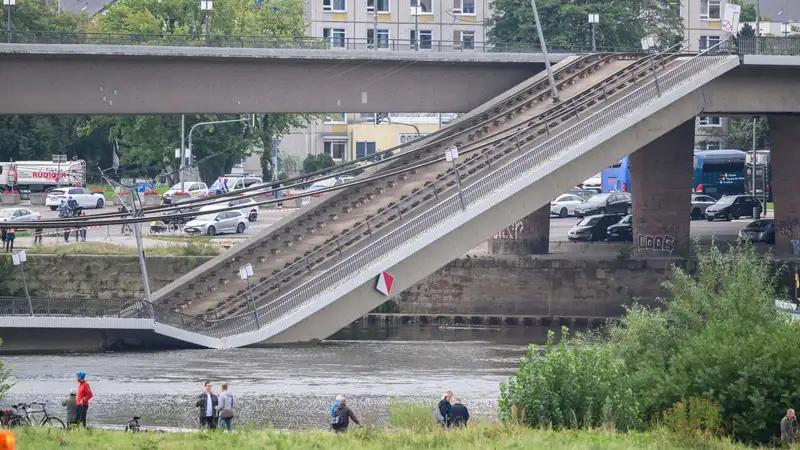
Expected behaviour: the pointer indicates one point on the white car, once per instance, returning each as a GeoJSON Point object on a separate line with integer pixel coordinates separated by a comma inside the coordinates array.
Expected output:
{"type": "Point", "coordinates": [249, 207]}
{"type": "Point", "coordinates": [594, 183]}
{"type": "Point", "coordinates": [82, 196]}
{"type": "Point", "coordinates": [213, 224]}
{"type": "Point", "coordinates": [564, 205]}
{"type": "Point", "coordinates": [195, 189]}
{"type": "Point", "coordinates": [18, 215]}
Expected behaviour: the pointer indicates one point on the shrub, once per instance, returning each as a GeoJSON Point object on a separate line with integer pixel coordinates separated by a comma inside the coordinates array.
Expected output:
{"type": "Point", "coordinates": [570, 386]}
{"type": "Point", "coordinates": [411, 416]}
{"type": "Point", "coordinates": [695, 416]}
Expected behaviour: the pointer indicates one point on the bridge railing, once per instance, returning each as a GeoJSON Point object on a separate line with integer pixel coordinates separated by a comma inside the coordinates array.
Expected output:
{"type": "Point", "coordinates": [769, 45]}
{"type": "Point", "coordinates": [300, 42]}
{"type": "Point", "coordinates": [71, 307]}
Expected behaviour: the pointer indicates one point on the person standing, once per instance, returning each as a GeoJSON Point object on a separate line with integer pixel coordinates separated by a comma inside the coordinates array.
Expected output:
{"type": "Point", "coordinates": [84, 394]}
{"type": "Point", "coordinates": [207, 403]}
{"type": "Point", "coordinates": [341, 419]}
{"type": "Point", "coordinates": [445, 416]}
{"type": "Point", "coordinates": [37, 236]}
{"type": "Point", "coordinates": [71, 405]}
{"type": "Point", "coordinates": [227, 403]}
{"type": "Point", "coordinates": [11, 234]}
{"type": "Point", "coordinates": [459, 413]}
{"type": "Point", "coordinates": [788, 427]}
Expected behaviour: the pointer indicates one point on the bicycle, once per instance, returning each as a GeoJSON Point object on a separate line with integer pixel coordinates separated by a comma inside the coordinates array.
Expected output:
{"type": "Point", "coordinates": [133, 425]}
{"type": "Point", "coordinates": [29, 416]}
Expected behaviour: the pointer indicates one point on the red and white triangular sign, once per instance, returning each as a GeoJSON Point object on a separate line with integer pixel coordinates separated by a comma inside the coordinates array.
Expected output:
{"type": "Point", "coordinates": [385, 283]}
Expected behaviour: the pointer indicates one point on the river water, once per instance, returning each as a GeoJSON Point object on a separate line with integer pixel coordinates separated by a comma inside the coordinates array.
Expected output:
{"type": "Point", "coordinates": [288, 387]}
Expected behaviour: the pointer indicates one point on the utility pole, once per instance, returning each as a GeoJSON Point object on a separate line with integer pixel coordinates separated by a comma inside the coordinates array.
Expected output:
{"type": "Point", "coordinates": [554, 90]}
{"type": "Point", "coordinates": [8, 4]}
{"type": "Point", "coordinates": [416, 26]}
{"type": "Point", "coordinates": [183, 151]}
{"type": "Point", "coordinates": [594, 19]}
{"type": "Point", "coordinates": [754, 156]}
{"type": "Point", "coordinates": [19, 258]}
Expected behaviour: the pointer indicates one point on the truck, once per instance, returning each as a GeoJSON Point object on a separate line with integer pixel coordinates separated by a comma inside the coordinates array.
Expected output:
{"type": "Point", "coordinates": [40, 176]}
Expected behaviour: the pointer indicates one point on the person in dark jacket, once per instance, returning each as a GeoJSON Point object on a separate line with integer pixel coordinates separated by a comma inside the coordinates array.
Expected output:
{"type": "Point", "coordinates": [342, 417]}
{"type": "Point", "coordinates": [788, 428]}
{"type": "Point", "coordinates": [71, 405]}
{"type": "Point", "coordinates": [445, 409]}
{"type": "Point", "coordinates": [207, 405]}
{"type": "Point", "coordinates": [460, 413]}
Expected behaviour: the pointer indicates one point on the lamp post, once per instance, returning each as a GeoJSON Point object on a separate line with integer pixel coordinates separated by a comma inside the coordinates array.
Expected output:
{"type": "Point", "coordinates": [206, 6]}
{"type": "Point", "coordinates": [19, 258]}
{"type": "Point", "coordinates": [245, 273]}
{"type": "Point", "coordinates": [415, 11]}
{"type": "Point", "coordinates": [451, 155]}
{"type": "Point", "coordinates": [249, 118]}
{"type": "Point", "coordinates": [594, 19]}
{"type": "Point", "coordinates": [553, 89]}
{"type": "Point", "coordinates": [8, 4]}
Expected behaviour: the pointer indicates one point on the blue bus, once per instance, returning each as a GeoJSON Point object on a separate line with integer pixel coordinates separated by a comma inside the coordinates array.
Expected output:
{"type": "Point", "coordinates": [719, 172]}
{"type": "Point", "coordinates": [617, 178]}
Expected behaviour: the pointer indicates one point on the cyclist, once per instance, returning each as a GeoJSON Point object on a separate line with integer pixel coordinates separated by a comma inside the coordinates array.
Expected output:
{"type": "Point", "coordinates": [71, 405]}
{"type": "Point", "coordinates": [84, 394]}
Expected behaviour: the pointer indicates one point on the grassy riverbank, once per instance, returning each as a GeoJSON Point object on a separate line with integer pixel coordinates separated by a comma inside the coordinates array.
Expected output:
{"type": "Point", "coordinates": [490, 436]}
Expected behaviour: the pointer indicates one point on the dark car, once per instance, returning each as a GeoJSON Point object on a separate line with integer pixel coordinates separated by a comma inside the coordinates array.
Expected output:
{"type": "Point", "coordinates": [609, 203]}
{"type": "Point", "coordinates": [759, 231]}
{"type": "Point", "coordinates": [592, 228]}
{"type": "Point", "coordinates": [732, 207]}
{"type": "Point", "coordinates": [622, 230]}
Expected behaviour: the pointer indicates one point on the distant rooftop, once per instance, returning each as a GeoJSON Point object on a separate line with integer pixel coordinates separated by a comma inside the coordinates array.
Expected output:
{"type": "Point", "coordinates": [88, 7]}
{"type": "Point", "coordinates": [779, 10]}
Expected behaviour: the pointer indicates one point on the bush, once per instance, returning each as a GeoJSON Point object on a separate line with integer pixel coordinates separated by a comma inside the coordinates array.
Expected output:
{"type": "Point", "coordinates": [570, 386]}
{"type": "Point", "coordinates": [719, 337]}
{"type": "Point", "coordinates": [412, 416]}
{"type": "Point", "coordinates": [696, 416]}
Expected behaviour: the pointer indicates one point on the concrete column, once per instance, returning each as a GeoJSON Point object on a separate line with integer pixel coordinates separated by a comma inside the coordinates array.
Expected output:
{"type": "Point", "coordinates": [529, 236]}
{"type": "Point", "coordinates": [784, 134]}
{"type": "Point", "coordinates": [661, 181]}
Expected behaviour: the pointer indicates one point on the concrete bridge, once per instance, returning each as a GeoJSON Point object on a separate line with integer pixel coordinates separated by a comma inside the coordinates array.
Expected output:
{"type": "Point", "coordinates": [518, 151]}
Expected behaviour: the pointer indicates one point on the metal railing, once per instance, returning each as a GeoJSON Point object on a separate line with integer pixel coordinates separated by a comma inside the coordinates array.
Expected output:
{"type": "Point", "coordinates": [354, 260]}
{"type": "Point", "coordinates": [300, 42]}
{"type": "Point", "coordinates": [70, 307]}
{"type": "Point", "coordinates": [769, 45]}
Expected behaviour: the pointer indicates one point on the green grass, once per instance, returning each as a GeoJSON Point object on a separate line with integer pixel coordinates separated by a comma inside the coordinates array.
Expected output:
{"type": "Point", "coordinates": [201, 239]}
{"type": "Point", "coordinates": [98, 248]}
{"type": "Point", "coordinates": [483, 436]}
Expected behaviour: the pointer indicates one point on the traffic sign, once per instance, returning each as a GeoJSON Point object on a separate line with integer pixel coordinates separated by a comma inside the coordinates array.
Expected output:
{"type": "Point", "coordinates": [385, 283]}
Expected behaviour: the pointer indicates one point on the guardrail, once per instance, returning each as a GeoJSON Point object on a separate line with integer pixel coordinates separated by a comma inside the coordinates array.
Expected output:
{"type": "Point", "coordinates": [69, 307]}
{"type": "Point", "coordinates": [768, 45]}
{"type": "Point", "coordinates": [300, 42]}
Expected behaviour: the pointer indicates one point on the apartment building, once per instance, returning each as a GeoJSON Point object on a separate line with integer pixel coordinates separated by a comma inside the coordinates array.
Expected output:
{"type": "Point", "coordinates": [399, 24]}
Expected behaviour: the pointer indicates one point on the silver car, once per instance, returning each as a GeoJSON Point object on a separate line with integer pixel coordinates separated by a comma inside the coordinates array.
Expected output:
{"type": "Point", "coordinates": [217, 223]}
{"type": "Point", "coordinates": [700, 202]}
{"type": "Point", "coordinates": [18, 215]}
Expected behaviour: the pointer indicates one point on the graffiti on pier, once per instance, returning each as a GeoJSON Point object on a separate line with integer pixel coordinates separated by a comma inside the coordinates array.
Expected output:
{"type": "Point", "coordinates": [662, 243]}
{"type": "Point", "coordinates": [513, 231]}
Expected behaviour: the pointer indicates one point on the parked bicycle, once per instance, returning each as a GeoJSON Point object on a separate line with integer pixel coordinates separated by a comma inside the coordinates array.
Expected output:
{"type": "Point", "coordinates": [33, 414]}
{"type": "Point", "coordinates": [133, 425]}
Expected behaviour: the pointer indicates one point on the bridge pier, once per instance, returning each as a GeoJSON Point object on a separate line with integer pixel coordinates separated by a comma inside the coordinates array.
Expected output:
{"type": "Point", "coordinates": [529, 236]}
{"type": "Point", "coordinates": [661, 180]}
{"type": "Point", "coordinates": [784, 131]}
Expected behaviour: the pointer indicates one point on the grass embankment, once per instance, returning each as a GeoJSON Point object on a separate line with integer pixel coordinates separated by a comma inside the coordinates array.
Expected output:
{"type": "Point", "coordinates": [199, 248]}
{"type": "Point", "coordinates": [484, 436]}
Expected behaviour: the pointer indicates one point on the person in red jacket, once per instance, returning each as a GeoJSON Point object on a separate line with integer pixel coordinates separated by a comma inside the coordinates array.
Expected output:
{"type": "Point", "coordinates": [83, 397]}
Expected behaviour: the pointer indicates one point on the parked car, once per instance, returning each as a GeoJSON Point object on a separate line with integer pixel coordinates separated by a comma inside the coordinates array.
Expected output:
{"type": "Point", "coordinates": [732, 207]}
{"type": "Point", "coordinates": [592, 228]}
{"type": "Point", "coordinates": [595, 183]}
{"type": "Point", "coordinates": [195, 189]}
{"type": "Point", "coordinates": [564, 205]}
{"type": "Point", "coordinates": [700, 202]}
{"type": "Point", "coordinates": [233, 182]}
{"type": "Point", "coordinates": [217, 223]}
{"type": "Point", "coordinates": [622, 230]}
{"type": "Point", "coordinates": [609, 203]}
{"type": "Point", "coordinates": [249, 208]}
{"type": "Point", "coordinates": [759, 231]}
{"type": "Point", "coordinates": [82, 196]}
{"type": "Point", "coordinates": [18, 215]}
{"type": "Point", "coordinates": [584, 194]}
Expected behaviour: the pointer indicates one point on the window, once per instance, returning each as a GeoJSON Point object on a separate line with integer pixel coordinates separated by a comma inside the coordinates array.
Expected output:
{"type": "Point", "coordinates": [425, 39]}
{"type": "Point", "coordinates": [334, 5]}
{"type": "Point", "coordinates": [366, 117]}
{"type": "Point", "coordinates": [335, 118]}
{"type": "Point", "coordinates": [707, 42]}
{"type": "Point", "coordinates": [364, 149]}
{"type": "Point", "coordinates": [468, 6]}
{"type": "Point", "coordinates": [335, 149]}
{"type": "Point", "coordinates": [335, 36]}
{"type": "Point", "coordinates": [425, 6]}
{"type": "Point", "coordinates": [383, 38]}
{"type": "Point", "coordinates": [710, 121]}
{"type": "Point", "coordinates": [710, 145]}
{"type": "Point", "coordinates": [709, 9]}
{"type": "Point", "coordinates": [464, 40]}
{"type": "Point", "coordinates": [383, 6]}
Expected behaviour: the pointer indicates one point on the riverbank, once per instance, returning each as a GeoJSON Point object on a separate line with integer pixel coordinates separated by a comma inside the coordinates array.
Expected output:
{"type": "Point", "coordinates": [483, 436]}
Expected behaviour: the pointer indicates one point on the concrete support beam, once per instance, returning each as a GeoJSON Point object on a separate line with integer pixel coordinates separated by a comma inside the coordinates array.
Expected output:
{"type": "Point", "coordinates": [784, 134]}
{"type": "Point", "coordinates": [529, 236]}
{"type": "Point", "coordinates": [661, 180]}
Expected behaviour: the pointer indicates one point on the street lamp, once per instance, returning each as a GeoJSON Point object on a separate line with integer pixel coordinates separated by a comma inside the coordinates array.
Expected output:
{"type": "Point", "coordinates": [8, 4]}
{"type": "Point", "coordinates": [19, 258]}
{"type": "Point", "coordinates": [594, 19]}
{"type": "Point", "coordinates": [249, 118]}
{"type": "Point", "coordinates": [206, 6]}
{"type": "Point", "coordinates": [553, 89]}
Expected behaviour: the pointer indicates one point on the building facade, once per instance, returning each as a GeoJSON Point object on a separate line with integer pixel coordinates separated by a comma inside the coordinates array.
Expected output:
{"type": "Point", "coordinates": [399, 24]}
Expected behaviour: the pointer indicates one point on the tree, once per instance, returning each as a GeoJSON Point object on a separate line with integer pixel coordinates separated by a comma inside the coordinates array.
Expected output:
{"type": "Point", "coordinates": [622, 23]}
{"type": "Point", "coordinates": [43, 16]}
{"type": "Point", "coordinates": [269, 128]}
{"type": "Point", "coordinates": [314, 163]}
{"type": "Point", "coordinates": [740, 133]}
{"type": "Point", "coordinates": [749, 13]}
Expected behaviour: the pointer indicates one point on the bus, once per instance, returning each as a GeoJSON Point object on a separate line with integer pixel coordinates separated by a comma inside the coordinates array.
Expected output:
{"type": "Point", "coordinates": [617, 178]}
{"type": "Point", "coordinates": [719, 172]}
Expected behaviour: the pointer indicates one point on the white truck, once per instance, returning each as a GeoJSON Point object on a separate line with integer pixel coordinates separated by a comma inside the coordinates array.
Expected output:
{"type": "Point", "coordinates": [40, 176]}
